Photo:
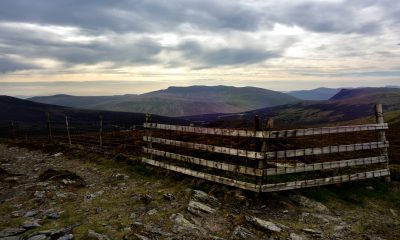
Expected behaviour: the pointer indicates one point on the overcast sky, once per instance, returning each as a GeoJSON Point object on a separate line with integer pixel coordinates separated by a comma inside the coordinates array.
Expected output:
{"type": "Point", "coordinates": [278, 44]}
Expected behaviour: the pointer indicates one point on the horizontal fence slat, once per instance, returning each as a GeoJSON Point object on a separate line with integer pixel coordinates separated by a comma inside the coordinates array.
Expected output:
{"type": "Point", "coordinates": [323, 181]}
{"type": "Point", "coordinates": [206, 176]}
{"type": "Point", "coordinates": [270, 155]}
{"type": "Point", "coordinates": [204, 162]}
{"type": "Point", "coordinates": [205, 147]}
{"type": "Point", "coordinates": [326, 165]}
{"type": "Point", "coordinates": [326, 150]}
{"type": "Point", "coordinates": [269, 134]}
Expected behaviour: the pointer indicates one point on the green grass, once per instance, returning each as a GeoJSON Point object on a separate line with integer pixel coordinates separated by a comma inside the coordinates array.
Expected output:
{"type": "Point", "coordinates": [357, 192]}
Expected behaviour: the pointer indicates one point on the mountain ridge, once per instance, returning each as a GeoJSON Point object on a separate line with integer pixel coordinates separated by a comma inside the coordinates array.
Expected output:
{"type": "Point", "coordinates": [179, 101]}
{"type": "Point", "coordinates": [25, 111]}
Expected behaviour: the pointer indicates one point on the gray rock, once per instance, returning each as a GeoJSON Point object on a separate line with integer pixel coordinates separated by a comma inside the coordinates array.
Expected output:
{"type": "Point", "coordinates": [31, 213]}
{"type": "Point", "coordinates": [120, 176]}
{"type": "Point", "coordinates": [263, 224]}
{"type": "Point", "coordinates": [309, 203]}
{"type": "Point", "coordinates": [90, 196]}
{"type": "Point", "coordinates": [199, 208]}
{"type": "Point", "coordinates": [205, 198]}
{"type": "Point", "coordinates": [146, 199]}
{"type": "Point", "coordinates": [169, 196]}
{"type": "Point", "coordinates": [369, 237]}
{"type": "Point", "coordinates": [38, 237]}
{"type": "Point", "coordinates": [97, 236]}
{"type": "Point", "coordinates": [17, 214]}
{"type": "Point", "coordinates": [316, 218]}
{"type": "Point", "coordinates": [309, 230]}
{"type": "Point", "coordinates": [31, 224]}
{"type": "Point", "coordinates": [39, 194]}
{"type": "Point", "coordinates": [68, 181]}
{"type": "Point", "coordinates": [53, 215]}
{"type": "Point", "coordinates": [141, 237]}
{"type": "Point", "coordinates": [11, 232]}
{"type": "Point", "coordinates": [340, 231]}
{"type": "Point", "coordinates": [294, 236]}
{"type": "Point", "coordinates": [242, 233]}
{"type": "Point", "coordinates": [10, 238]}
{"type": "Point", "coordinates": [57, 233]}
{"type": "Point", "coordinates": [182, 225]}
{"type": "Point", "coordinates": [313, 232]}
{"type": "Point", "coordinates": [216, 237]}
{"type": "Point", "coordinates": [66, 237]}
{"type": "Point", "coordinates": [393, 212]}
{"type": "Point", "coordinates": [152, 212]}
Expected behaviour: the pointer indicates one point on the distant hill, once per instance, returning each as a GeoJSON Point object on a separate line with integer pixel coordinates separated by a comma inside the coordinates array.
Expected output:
{"type": "Point", "coordinates": [179, 101]}
{"type": "Point", "coordinates": [24, 111]}
{"type": "Point", "coordinates": [369, 94]}
{"type": "Point", "coordinates": [315, 94]}
{"type": "Point", "coordinates": [346, 105]}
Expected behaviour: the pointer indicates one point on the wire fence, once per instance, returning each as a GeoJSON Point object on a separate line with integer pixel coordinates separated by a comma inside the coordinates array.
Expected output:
{"type": "Point", "coordinates": [100, 133]}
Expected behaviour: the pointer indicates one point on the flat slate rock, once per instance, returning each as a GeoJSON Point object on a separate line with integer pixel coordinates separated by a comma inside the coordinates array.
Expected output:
{"type": "Point", "coordinates": [263, 224]}
{"type": "Point", "coordinates": [199, 208]}
{"type": "Point", "coordinates": [242, 233]}
{"type": "Point", "coordinates": [11, 232]}
{"type": "Point", "coordinates": [205, 198]}
{"type": "Point", "coordinates": [38, 237]}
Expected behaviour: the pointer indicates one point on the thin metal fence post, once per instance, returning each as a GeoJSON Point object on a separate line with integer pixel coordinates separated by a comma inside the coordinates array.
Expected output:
{"type": "Point", "coordinates": [68, 134]}
{"type": "Point", "coordinates": [101, 131]}
{"type": "Point", "coordinates": [13, 131]}
{"type": "Point", "coordinates": [50, 136]}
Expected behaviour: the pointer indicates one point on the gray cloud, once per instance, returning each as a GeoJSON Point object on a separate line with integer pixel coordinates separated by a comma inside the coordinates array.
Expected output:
{"type": "Point", "coordinates": [337, 17]}
{"type": "Point", "coordinates": [161, 16]}
{"type": "Point", "coordinates": [206, 57]}
{"type": "Point", "coordinates": [10, 65]}
{"type": "Point", "coordinates": [127, 16]}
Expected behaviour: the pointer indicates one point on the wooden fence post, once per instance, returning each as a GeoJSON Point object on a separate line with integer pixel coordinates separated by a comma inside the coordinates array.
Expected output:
{"type": "Point", "coordinates": [49, 127]}
{"type": "Point", "coordinates": [67, 126]}
{"type": "Point", "coordinates": [258, 145]}
{"type": "Point", "coordinates": [149, 133]}
{"type": "Point", "coordinates": [264, 148]}
{"type": "Point", "coordinates": [101, 130]}
{"type": "Point", "coordinates": [382, 134]}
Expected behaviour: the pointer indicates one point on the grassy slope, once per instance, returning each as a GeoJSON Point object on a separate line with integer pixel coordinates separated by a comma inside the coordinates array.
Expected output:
{"type": "Point", "coordinates": [367, 211]}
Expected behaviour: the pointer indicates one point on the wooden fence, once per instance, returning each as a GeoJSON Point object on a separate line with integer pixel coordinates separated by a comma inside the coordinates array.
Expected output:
{"type": "Point", "coordinates": [257, 160]}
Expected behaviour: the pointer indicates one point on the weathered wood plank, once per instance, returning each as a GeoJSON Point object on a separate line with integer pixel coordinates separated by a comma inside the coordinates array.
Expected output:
{"type": "Point", "coordinates": [206, 147]}
{"type": "Point", "coordinates": [326, 165]}
{"type": "Point", "coordinates": [326, 150]}
{"type": "Point", "coordinates": [207, 163]}
{"type": "Point", "coordinates": [269, 134]}
{"type": "Point", "coordinates": [270, 155]}
{"type": "Point", "coordinates": [273, 187]}
{"type": "Point", "coordinates": [206, 176]}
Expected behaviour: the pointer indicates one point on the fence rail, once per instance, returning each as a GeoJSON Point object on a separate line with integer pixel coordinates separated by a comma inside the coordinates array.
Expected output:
{"type": "Point", "coordinates": [259, 170]}
{"type": "Point", "coordinates": [269, 134]}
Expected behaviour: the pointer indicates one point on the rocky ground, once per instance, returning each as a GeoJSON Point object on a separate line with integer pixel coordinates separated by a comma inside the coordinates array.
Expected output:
{"type": "Point", "coordinates": [77, 194]}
